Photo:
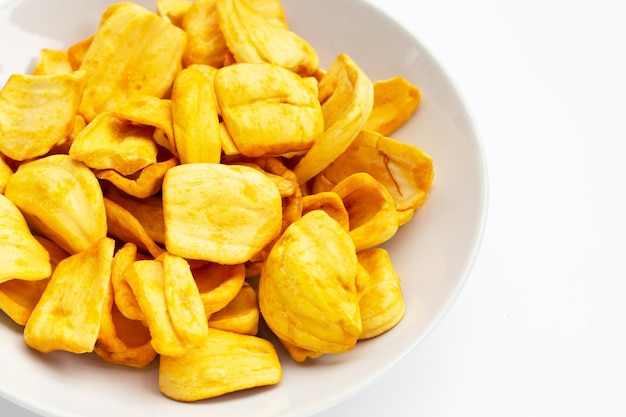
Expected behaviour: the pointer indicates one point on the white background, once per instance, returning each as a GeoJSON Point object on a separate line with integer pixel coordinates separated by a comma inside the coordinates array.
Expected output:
{"type": "Point", "coordinates": [538, 329]}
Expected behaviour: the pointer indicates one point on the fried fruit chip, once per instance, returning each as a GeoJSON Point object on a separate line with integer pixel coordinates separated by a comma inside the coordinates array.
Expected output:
{"type": "Point", "coordinates": [76, 52]}
{"type": "Point", "coordinates": [124, 297]}
{"type": "Point", "coordinates": [109, 142]}
{"type": "Point", "coordinates": [347, 96]}
{"type": "Point", "coordinates": [371, 210]}
{"type": "Point", "coordinates": [120, 340]}
{"type": "Point", "coordinates": [268, 110]}
{"type": "Point", "coordinates": [123, 225]}
{"type": "Point", "coordinates": [252, 38]}
{"type": "Point", "coordinates": [310, 273]}
{"type": "Point", "coordinates": [23, 257]}
{"type": "Point", "coordinates": [241, 315]}
{"type": "Point", "coordinates": [52, 62]}
{"type": "Point", "coordinates": [228, 362]}
{"type": "Point", "coordinates": [219, 213]}
{"type": "Point", "coordinates": [173, 10]}
{"type": "Point", "coordinates": [331, 203]}
{"type": "Point", "coordinates": [195, 119]}
{"type": "Point", "coordinates": [18, 297]}
{"type": "Point", "coordinates": [37, 112]}
{"type": "Point", "coordinates": [218, 284]}
{"type": "Point", "coordinates": [405, 170]}
{"type": "Point", "coordinates": [69, 208]}
{"type": "Point", "coordinates": [68, 315]}
{"type": "Point", "coordinates": [381, 303]}
{"type": "Point", "coordinates": [148, 211]}
{"type": "Point", "coordinates": [5, 173]}
{"type": "Point", "coordinates": [205, 42]}
{"type": "Point", "coordinates": [395, 100]}
{"type": "Point", "coordinates": [159, 287]}
{"type": "Point", "coordinates": [133, 51]}
{"type": "Point", "coordinates": [146, 184]}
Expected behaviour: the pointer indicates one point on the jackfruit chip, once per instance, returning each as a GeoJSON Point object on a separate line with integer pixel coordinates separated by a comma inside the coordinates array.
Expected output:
{"type": "Point", "coordinates": [241, 315]}
{"type": "Point", "coordinates": [307, 292]}
{"type": "Point", "coordinates": [133, 51]}
{"type": "Point", "coordinates": [146, 278]}
{"type": "Point", "coordinates": [52, 62]}
{"type": "Point", "coordinates": [405, 170]}
{"type": "Point", "coordinates": [148, 211]}
{"type": "Point", "coordinates": [122, 341]}
{"type": "Point", "coordinates": [67, 316]}
{"type": "Point", "coordinates": [37, 112]}
{"type": "Point", "coordinates": [150, 111]}
{"type": "Point", "coordinates": [272, 10]}
{"type": "Point", "coordinates": [22, 255]}
{"type": "Point", "coordinates": [123, 295]}
{"type": "Point", "coordinates": [123, 225]}
{"type": "Point", "coordinates": [395, 100]}
{"type": "Point", "coordinates": [252, 38]}
{"type": "Point", "coordinates": [146, 184]}
{"type": "Point", "coordinates": [109, 142]}
{"type": "Point", "coordinates": [298, 353]}
{"type": "Point", "coordinates": [331, 203]}
{"type": "Point", "coordinates": [218, 284]}
{"type": "Point", "coordinates": [182, 297]}
{"type": "Point", "coordinates": [228, 362]}
{"type": "Point", "coordinates": [195, 118]}
{"type": "Point", "coordinates": [173, 10]}
{"type": "Point", "coordinates": [381, 302]}
{"type": "Point", "coordinates": [346, 95]}
{"type": "Point", "coordinates": [76, 52]}
{"type": "Point", "coordinates": [205, 42]}
{"type": "Point", "coordinates": [69, 208]}
{"type": "Point", "coordinates": [371, 210]}
{"type": "Point", "coordinates": [267, 109]}
{"type": "Point", "coordinates": [243, 216]}
{"type": "Point", "coordinates": [5, 172]}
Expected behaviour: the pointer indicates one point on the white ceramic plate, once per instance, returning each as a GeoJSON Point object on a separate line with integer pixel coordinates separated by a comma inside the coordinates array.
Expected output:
{"type": "Point", "coordinates": [433, 254]}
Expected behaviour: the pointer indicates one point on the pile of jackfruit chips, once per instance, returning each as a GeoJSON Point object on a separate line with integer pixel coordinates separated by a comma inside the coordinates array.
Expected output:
{"type": "Point", "coordinates": [152, 170]}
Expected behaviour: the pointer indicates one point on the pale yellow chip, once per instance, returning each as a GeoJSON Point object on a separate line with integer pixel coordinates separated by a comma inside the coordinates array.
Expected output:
{"type": "Point", "coordinates": [109, 142]}
{"type": "Point", "coordinates": [381, 302]}
{"type": "Point", "coordinates": [69, 208]}
{"type": "Point", "coordinates": [307, 290]}
{"type": "Point", "coordinates": [244, 213]}
{"type": "Point", "coordinates": [68, 315]}
{"type": "Point", "coordinates": [37, 112]}
{"type": "Point", "coordinates": [267, 109]}
{"type": "Point", "coordinates": [134, 51]}
{"type": "Point", "coordinates": [228, 362]}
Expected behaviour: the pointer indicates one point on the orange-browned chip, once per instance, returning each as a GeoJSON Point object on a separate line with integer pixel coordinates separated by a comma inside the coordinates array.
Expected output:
{"type": "Point", "coordinates": [395, 100]}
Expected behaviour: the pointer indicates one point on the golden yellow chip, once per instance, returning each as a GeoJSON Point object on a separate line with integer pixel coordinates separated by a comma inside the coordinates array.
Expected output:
{"type": "Point", "coordinates": [76, 52]}
{"type": "Point", "coordinates": [124, 297]}
{"type": "Point", "coordinates": [381, 303]}
{"type": "Point", "coordinates": [331, 203]}
{"type": "Point", "coordinates": [5, 173]}
{"type": "Point", "coordinates": [252, 38]}
{"type": "Point", "coordinates": [395, 100]}
{"type": "Point", "coordinates": [109, 142]}
{"type": "Point", "coordinates": [241, 315]}
{"type": "Point", "coordinates": [69, 208]}
{"type": "Point", "coordinates": [173, 10]}
{"type": "Point", "coordinates": [219, 213]}
{"type": "Point", "coordinates": [195, 118]}
{"type": "Point", "coordinates": [347, 96]}
{"type": "Point", "coordinates": [307, 290]}
{"type": "Point", "coordinates": [218, 284]}
{"type": "Point", "coordinates": [134, 51]}
{"type": "Point", "coordinates": [228, 362]}
{"type": "Point", "coordinates": [148, 211]}
{"type": "Point", "coordinates": [23, 257]}
{"type": "Point", "coordinates": [52, 62]}
{"type": "Point", "coordinates": [205, 42]}
{"type": "Point", "coordinates": [68, 315]}
{"type": "Point", "coordinates": [37, 112]}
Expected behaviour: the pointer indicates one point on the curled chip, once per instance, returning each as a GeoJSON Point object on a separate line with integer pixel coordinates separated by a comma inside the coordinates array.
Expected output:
{"type": "Point", "coordinates": [380, 300]}
{"type": "Point", "coordinates": [69, 208]}
{"type": "Point", "coordinates": [37, 112]}
{"type": "Point", "coordinates": [252, 38]}
{"type": "Point", "coordinates": [133, 51]}
{"type": "Point", "coordinates": [347, 96]}
{"type": "Point", "coordinates": [228, 362]}
{"type": "Point", "coordinates": [22, 255]}
{"type": "Point", "coordinates": [267, 109]}
{"type": "Point", "coordinates": [109, 142]}
{"type": "Point", "coordinates": [219, 213]}
{"type": "Point", "coordinates": [241, 314]}
{"type": "Point", "coordinates": [371, 211]}
{"type": "Point", "coordinates": [405, 170]}
{"type": "Point", "coordinates": [218, 284]}
{"type": "Point", "coordinates": [310, 273]}
{"type": "Point", "coordinates": [395, 100]}
{"type": "Point", "coordinates": [68, 315]}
